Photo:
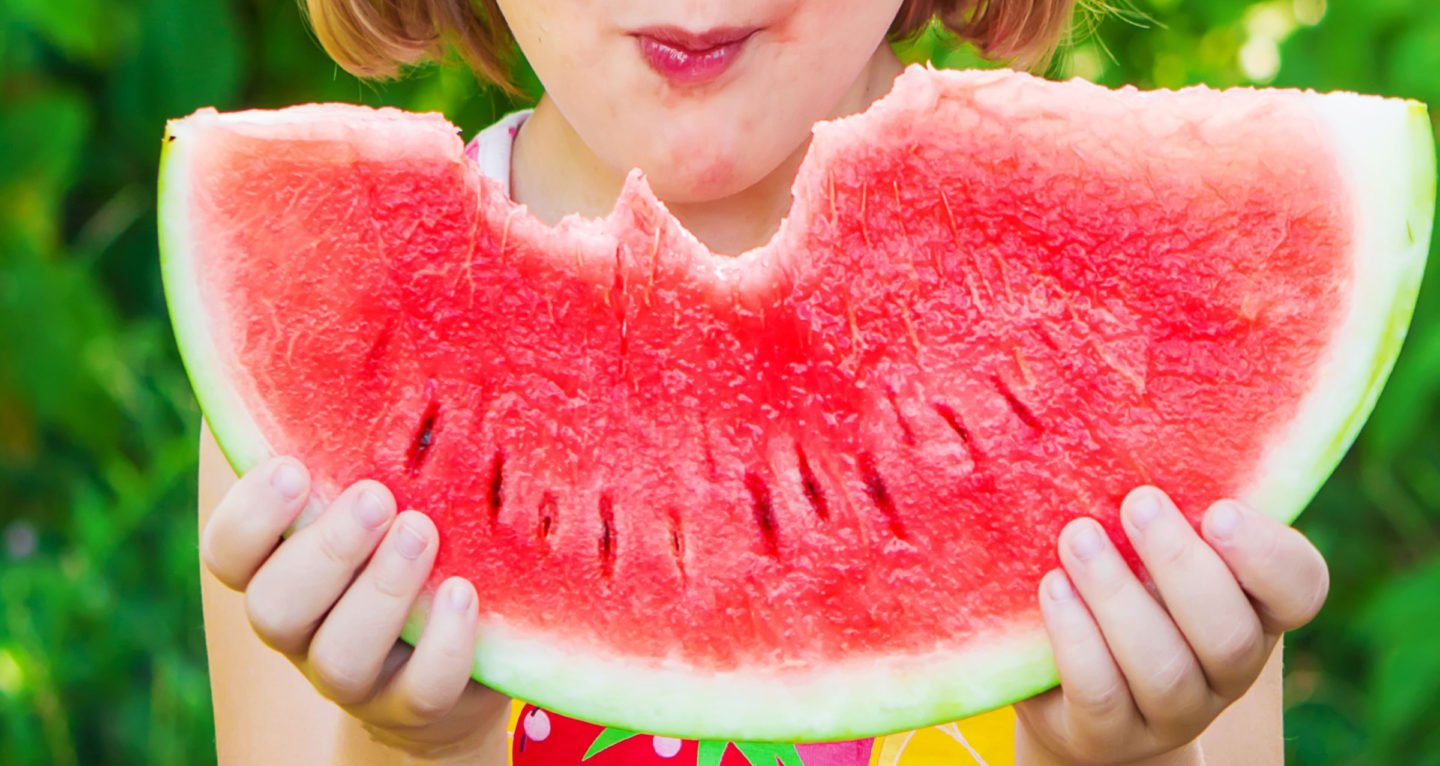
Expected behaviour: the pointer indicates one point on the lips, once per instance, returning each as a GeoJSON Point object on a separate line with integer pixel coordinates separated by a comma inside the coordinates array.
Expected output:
{"type": "Point", "coordinates": [691, 58]}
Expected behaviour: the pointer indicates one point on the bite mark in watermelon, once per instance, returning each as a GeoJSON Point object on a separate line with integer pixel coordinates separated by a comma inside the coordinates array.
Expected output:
{"type": "Point", "coordinates": [805, 492]}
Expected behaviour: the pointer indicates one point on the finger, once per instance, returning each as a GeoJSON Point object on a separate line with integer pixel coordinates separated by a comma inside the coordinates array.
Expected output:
{"type": "Point", "coordinates": [246, 525]}
{"type": "Point", "coordinates": [1281, 570]}
{"type": "Point", "coordinates": [430, 684]}
{"type": "Point", "coordinates": [1089, 678]}
{"type": "Point", "coordinates": [350, 646]}
{"type": "Point", "coordinates": [1206, 603]}
{"type": "Point", "coordinates": [1163, 675]}
{"type": "Point", "coordinates": [301, 581]}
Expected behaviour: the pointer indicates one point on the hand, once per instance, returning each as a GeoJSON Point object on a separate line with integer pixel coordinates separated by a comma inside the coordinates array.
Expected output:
{"type": "Point", "coordinates": [1142, 673]}
{"type": "Point", "coordinates": [334, 596]}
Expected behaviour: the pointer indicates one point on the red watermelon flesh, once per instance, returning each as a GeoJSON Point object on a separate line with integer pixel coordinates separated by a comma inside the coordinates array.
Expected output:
{"type": "Point", "coordinates": [805, 492]}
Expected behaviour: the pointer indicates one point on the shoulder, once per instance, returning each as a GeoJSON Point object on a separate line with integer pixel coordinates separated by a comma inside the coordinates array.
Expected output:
{"type": "Point", "coordinates": [491, 147]}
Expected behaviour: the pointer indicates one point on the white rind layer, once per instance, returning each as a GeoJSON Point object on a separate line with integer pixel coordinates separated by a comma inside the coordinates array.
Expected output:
{"type": "Point", "coordinates": [1387, 160]}
{"type": "Point", "coordinates": [799, 704]}
{"type": "Point", "coordinates": [1386, 156]}
{"type": "Point", "coordinates": [237, 433]}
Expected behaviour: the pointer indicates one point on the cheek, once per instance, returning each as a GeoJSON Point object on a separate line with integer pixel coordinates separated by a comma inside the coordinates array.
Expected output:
{"type": "Point", "coordinates": [555, 36]}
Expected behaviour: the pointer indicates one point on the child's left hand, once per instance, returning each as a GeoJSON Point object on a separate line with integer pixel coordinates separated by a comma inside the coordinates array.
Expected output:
{"type": "Point", "coordinates": [1143, 674]}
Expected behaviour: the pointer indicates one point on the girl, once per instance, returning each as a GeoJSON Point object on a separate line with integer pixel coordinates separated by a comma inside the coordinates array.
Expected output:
{"type": "Point", "coordinates": [713, 100]}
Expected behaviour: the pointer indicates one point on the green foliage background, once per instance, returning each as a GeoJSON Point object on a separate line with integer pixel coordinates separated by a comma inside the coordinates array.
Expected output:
{"type": "Point", "coordinates": [101, 645]}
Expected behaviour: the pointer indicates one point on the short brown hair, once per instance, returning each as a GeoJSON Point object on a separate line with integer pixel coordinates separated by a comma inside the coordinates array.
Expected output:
{"type": "Point", "coordinates": [378, 38]}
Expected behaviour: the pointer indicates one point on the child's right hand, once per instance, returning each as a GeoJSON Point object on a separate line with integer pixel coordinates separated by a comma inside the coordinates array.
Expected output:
{"type": "Point", "coordinates": [335, 595]}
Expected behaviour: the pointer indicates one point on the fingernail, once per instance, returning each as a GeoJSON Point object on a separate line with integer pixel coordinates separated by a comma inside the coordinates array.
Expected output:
{"type": "Point", "coordinates": [409, 540]}
{"type": "Point", "coordinates": [1224, 519]}
{"type": "Point", "coordinates": [1085, 544]}
{"type": "Point", "coordinates": [288, 481]}
{"type": "Point", "coordinates": [371, 510]}
{"type": "Point", "coordinates": [1144, 508]}
{"type": "Point", "coordinates": [1058, 586]}
{"type": "Point", "coordinates": [458, 595]}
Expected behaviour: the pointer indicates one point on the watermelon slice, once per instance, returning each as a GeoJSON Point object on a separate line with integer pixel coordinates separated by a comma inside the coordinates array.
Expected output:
{"type": "Point", "coordinates": [805, 492]}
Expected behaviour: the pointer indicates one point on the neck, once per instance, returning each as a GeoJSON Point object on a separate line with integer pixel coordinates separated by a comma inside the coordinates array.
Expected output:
{"type": "Point", "coordinates": [555, 174]}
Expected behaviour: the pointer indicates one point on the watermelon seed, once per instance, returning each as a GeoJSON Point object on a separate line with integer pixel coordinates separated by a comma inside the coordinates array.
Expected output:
{"type": "Point", "coordinates": [906, 434]}
{"type": "Point", "coordinates": [811, 485]}
{"type": "Point", "coordinates": [424, 438]}
{"type": "Point", "coordinates": [677, 539]}
{"type": "Point", "coordinates": [497, 483]}
{"type": "Point", "coordinates": [953, 420]}
{"type": "Point", "coordinates": [1021, 411]}
{"type": "Point", "coordinates": [764, 511]}
{"type": "Point", "coordinates": [607, 535]}
{"type": "Point", "coordinates": [879, 494]}
{"type": "Point", "coordinates": [547, 515]}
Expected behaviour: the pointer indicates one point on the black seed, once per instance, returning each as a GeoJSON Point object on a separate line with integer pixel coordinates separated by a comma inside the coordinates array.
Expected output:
{"type": "Point", "coordinates": [547, 515]}
{"type": "Point", "coordinates": [677, 539]}
{"type": "Point", "coordinates": [951, 419]}
{"type": "Point", "coordinates": [811, 485]}
{"type": "Point", "coordinates": [764, 511]}
{"type": "Point", "coordinates": [607, 535]}
{"type": "Point", "coordinates": [497, 484]}
{"type": "Point", "coordinates": [879, 494]}
{"type": "Point", "coordinates": [424, 439]}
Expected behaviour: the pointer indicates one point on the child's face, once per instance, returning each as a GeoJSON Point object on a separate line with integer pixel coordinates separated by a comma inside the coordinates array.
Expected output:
{"type": "Point", "coordinates": [707, 97]}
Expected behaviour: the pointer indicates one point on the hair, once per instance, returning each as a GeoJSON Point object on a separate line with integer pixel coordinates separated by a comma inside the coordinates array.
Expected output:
{"type": "Point", "coordinates": [380, 38]}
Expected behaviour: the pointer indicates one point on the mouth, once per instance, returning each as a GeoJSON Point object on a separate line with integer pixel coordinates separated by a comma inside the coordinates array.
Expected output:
{"type": "Point", "coordinates": [691, 58]}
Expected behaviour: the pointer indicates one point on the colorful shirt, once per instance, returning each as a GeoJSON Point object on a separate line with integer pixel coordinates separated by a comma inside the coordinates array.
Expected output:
{"type": "Point", "coordinates": [542, 738]}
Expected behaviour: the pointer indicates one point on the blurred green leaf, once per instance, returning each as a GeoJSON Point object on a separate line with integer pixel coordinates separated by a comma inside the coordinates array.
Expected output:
{"type": "Point", "coordinates": [1401, 625]}
{"type": "Point", "coordinates": [41, 135]}
{"type": "Point", "coordinates": [87, 30]}
{"type": "Point", "coordinates": [189, 55]}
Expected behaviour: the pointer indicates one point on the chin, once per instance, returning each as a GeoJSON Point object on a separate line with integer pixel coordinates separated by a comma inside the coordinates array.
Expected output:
{"type": "Point", "coordinates": [683, 185]}
{"type": "Point", "coordinates": [691, 174]}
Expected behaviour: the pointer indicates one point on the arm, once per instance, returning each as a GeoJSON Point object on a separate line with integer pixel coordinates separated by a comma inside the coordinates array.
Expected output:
{"type": "Point", "coordinates": [266, 711]}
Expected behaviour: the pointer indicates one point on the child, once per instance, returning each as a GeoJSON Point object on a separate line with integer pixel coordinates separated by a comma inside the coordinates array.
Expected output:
{"type": "Point", "coordinates": [714, 100]}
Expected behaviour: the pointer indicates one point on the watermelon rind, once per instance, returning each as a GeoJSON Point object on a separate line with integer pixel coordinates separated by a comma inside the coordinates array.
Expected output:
{"type": "Point", "coordinates": [1387, 159]}
{"type": "Point", "coordinates": [1386, 150]}
{"type": "Point", "coordinates": [243, 443]}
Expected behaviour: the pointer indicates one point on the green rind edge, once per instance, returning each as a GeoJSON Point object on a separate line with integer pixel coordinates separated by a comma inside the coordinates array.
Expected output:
{"type": "Point", "coordinates": [1285, 500]}
{"type": "Point", "coordinates": [1420, 220]}
{"type": "Point", "coordinates": [223, 411]}
{"type": "Point", "coordinates": [1030, 670]}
